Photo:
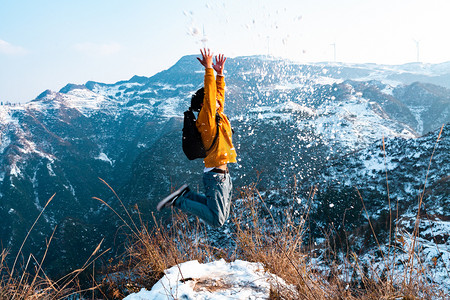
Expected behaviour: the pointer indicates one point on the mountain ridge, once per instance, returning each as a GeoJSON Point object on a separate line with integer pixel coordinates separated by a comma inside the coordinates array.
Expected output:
{"type": "Point", "coordinates": [290, 119]}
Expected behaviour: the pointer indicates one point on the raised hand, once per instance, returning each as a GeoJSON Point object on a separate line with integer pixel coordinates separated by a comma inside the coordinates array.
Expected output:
{"type": "Point", "coordinates": [207, 58]}
{"type": "Point", "coordinates": [220, 64]}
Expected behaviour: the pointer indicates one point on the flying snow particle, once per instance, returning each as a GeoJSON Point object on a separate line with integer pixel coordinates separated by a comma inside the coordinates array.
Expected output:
{"type": "Point", "coordinates": [194, 31]}
{"type": "Point", "coordinates": [331, 205]}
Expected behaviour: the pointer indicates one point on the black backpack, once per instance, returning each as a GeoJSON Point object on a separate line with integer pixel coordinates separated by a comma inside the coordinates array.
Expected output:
{"type": "Point", "coordinates": [192, 140]}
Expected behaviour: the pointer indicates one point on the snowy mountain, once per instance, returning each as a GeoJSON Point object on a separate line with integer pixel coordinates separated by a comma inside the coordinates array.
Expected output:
{"type": "Point", "coordinates": [295, 124]}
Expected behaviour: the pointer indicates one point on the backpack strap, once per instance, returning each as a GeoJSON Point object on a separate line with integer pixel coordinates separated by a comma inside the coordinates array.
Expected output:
{"type": "Point", "coordinates": [218, 119]}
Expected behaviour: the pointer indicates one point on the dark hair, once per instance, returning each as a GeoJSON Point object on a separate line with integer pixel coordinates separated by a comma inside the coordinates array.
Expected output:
{"type": "Point", "coordinates": [197, 100]}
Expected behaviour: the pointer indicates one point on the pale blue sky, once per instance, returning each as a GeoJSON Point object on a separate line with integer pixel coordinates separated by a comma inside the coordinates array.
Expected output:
{"type": "Point", "coordinates": [47, 44]}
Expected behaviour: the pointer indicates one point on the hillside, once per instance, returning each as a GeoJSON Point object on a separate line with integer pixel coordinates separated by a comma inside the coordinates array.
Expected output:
{"type": "Point", "coordinates": [295, 125]}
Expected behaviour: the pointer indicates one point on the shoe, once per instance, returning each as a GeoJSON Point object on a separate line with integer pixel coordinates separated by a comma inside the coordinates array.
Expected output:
{"type": "Point", "coordinates": [170, 200]}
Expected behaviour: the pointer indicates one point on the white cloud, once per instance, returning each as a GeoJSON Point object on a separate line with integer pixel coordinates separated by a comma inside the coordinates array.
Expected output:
{"type": "Point", "coordinates": [98, 49]}
{"type": "Point", "coordinates": [7, 48]}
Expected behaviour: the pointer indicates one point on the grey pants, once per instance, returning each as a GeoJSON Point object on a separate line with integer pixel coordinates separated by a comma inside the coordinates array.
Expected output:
{"type": "Point", "coordinates": [214, 206]}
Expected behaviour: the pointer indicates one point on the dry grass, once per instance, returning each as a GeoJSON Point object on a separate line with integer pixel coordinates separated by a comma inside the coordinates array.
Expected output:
{"type": "Point", "coordinates": [26, 286]}
{"type": "Point", "coordinates": [278, 243]}
{"type": "Point", "coordinates": [277, 246]}
{"type": "Point", "coordinates": [20, 282]}
{"type": "Point", "coordinates": [35, 284]}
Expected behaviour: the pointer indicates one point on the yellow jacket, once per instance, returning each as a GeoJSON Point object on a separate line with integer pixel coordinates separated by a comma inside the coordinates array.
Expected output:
{"type": "Point", "coordinates": [223, 151]}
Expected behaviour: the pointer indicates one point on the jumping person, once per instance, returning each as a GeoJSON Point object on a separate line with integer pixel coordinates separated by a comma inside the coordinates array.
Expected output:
{"type": "Point", "coordinates": [214, 206]}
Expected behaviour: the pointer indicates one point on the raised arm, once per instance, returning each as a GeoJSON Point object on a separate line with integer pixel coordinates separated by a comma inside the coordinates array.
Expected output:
{"type": "Point", "coordinates": [208, 111]}
{"type": "Point", "coordinates": [207, 58]}
{"type": "Point", "coordinates": [219, 67]}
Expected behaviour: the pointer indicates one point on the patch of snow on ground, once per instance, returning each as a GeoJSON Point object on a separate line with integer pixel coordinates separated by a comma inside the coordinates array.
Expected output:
{"type": "Point", "coordinates": [113, 90]}
{"type": "Point", "coordinates": [189, 85]}
{"type": "Point", "coordinates": [282, 111]}
{"type": "Point", "coordinates": [104, 157]}
{"type": "Point", "coordinates": [29, 147]}
{"type": "Point", "coordinates": [50, 170]}
{"type": "Point", "coordinates": [291, 106]}
{"type": "Point", "coordinates": [166, 86]}
{"type": "Point", "coordinates": [15, 171]}
{"type": "Point", "coordinates": [5, 141]}
{"type": "Point", "coordinates": [47, 102]}
{"type": "Point", "coordinates": [355, 125]}
{"type": "Point", "coordinates": [83, 100]}
{"type": "Point", "coordinates": [327, 80]}
{"type": "Point", "coordinates": [214, 280]}
{"type": "Point", "coordinates": [289, 86]}
{"type": "Point", "coordinates": [6, 115]}
{"type": "Point", "coordinates": [140, 109]}
{"type": "Point", "coordinates": [377, 163]}
{"type": "Point", "coordinates": [418, 112]}
{"type": "Point", "coordinates": [35, 184]}
{"type": "Point", "coordinates": [170, 107]}
{"type": "Point", "coordinates": [388, 90]}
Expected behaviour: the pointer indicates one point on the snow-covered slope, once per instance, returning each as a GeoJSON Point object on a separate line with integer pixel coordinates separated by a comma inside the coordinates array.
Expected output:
{"type": "Point", "coordinates": [292, 121]}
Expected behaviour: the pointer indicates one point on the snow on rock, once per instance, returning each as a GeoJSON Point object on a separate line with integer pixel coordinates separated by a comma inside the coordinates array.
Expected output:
{"type": "Point", "coordinates": [283, 111]}
{"type": "Point", "coordinates": [170, 108]}
{"type": "Point", "coordinates": [85, 101]}
{"type": "Point", "coordinates": [15, 171]}
{"type": "Point", "coordinates": [114, 89]}
{"type": "Point", "coordinates": [326, 80]}
{"type": "Point", "coordinates": [104, 157]}
{"type": "Point", "coordinates": [355, 124]}
{"type": "Point", "coordinates": [294, 107]}
{"type": "Point", "coordinates": [6, 117]}
{"type": "Point", "coordinates": [214, 280]}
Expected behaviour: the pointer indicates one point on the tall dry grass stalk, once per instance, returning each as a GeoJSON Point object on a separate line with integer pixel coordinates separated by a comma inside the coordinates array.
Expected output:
{"type": "Point", "coordinates": [420, 202]}
{"type": "Point", "coordinates": [21, 283]}
{"type": "Point", "coordinates": [276, 244]}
